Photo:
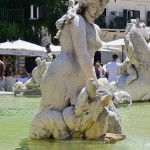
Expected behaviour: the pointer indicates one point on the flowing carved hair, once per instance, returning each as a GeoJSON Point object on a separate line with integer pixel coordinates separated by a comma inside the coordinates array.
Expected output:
{"type": "Point", "coordinates": [75, 7]}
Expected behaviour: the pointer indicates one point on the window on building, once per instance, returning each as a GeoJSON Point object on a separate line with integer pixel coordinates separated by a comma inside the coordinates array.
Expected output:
{"type": "Point", "coordinates": [36, 12]}
{"type": "Point", "coordinates": [131, 14]}
{"type": "Point", "coordinates": [148, 18]}
{"type": "Point", "coordinates": [148, 14]}
{"type": "Point", "coordinates": [101, 21]}
{"type": "Point", "coordinates": [136, 14]}
{"type": "Point", "coordinates": [11, 15]}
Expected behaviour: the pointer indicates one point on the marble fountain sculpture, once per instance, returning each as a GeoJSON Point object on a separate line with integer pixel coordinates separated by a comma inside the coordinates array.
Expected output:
{"type": "Point", "coordinates": [33, 84]}
{"type": "Point", "coordinates": [135, 71]}
{"type": "Point", "coordinates": [75, 105]}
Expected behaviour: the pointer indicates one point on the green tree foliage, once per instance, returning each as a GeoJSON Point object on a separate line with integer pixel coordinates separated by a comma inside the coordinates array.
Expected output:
{"type": "Point", "coordinates": [10, 31]}
{"type": "Point", "coordinates": [55, 9]}
{"type": "Point", "coordinates": [52, 10]}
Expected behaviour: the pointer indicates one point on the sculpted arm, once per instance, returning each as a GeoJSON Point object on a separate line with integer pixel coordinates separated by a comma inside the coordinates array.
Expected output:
{"type": "Point", "coordinates": [82, 102]}
{"type": "Point", "coordinates": [78, 31]}
{"type": "Point", "coordinates": [98, 30]}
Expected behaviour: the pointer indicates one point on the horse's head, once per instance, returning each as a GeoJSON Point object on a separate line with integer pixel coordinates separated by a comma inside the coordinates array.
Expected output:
{"type": "Point", "coordinates": [137, 36]}
{"type": "Point", "coordinates": [145, 31]}
{"type": "Point", "coordinates": [135, 23]}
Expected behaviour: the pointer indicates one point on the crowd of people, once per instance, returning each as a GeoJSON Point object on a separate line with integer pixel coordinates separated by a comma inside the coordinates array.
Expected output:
{"type": "Point", "coordinates": [8, 78]}
{"type": "Point", "coordinates": [109, 71]}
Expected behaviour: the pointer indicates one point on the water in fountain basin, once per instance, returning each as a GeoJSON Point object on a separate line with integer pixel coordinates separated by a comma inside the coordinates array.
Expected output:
{"type": "Point", "coordinates": [16, 114]}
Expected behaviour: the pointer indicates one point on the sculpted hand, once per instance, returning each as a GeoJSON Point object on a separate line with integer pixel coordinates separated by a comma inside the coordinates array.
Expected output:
{"type": "Point", "coordinates": [105, 100]}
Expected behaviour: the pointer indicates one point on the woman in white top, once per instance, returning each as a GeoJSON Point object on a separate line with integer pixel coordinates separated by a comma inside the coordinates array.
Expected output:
{"type": "Point", "coordinates": [100, 73]}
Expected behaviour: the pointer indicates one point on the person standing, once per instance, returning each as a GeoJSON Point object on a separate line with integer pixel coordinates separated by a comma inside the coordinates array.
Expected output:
{"type": "Point", "coordinates": [9, 78]}
{"type": "Point", "coordinates": [24, 74]}
{"type": "Point", "coordinates": [112, 68]}
{"type": "Point", "coordinates": [2, 72]}
{"type": "Point", "coordinates": [99, 70]}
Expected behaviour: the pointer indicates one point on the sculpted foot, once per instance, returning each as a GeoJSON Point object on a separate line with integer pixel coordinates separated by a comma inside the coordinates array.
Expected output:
{"type": "Point", "coordinates": [112, 138]}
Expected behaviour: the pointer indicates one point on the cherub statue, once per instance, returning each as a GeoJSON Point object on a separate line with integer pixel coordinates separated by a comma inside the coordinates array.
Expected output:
{"type": "Point", "coordinates": [38, 71]}
{"type": "Point", "coordinates": [47, 59]}
{"type": "Point", "coordinates": [19, 87]}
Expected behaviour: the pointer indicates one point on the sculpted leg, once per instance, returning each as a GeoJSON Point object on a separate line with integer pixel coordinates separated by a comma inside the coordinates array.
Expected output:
{"type": "Point", "coordinates": [48, 124]}
{"type": "Point", "coordinates": [114, 123]}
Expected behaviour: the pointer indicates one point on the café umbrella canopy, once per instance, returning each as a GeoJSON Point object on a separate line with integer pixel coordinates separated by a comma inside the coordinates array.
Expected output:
{"type": "Point", "coordinates": [118, 42]}
{"type": "Point", "coordinates": [7, 48]}
{"type": "Point", "coordinates": [114, 46]}
{"type": "Point", "coordinates": [55, 49]}
{"type": "Point", "coordinates": [20, 47]}
{"type": "Point", "coordinates": [27, 48]}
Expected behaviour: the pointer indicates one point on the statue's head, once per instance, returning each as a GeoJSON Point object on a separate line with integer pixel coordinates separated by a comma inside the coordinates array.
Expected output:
{"type": "Point", "coordinates": [79, 7]}
{"type": "Point", "coordinates": [83, 4]}
{"type": "Point", "coordinates": [145, 31]}
{"type": "Point", "coordinates": [135, 23]}
{"type": "Point", "coordinates": [38, 60]}
{"type": "Point", "coordinates": [19, 86]}
{"type": "Point", "coordinates": [49, 57]}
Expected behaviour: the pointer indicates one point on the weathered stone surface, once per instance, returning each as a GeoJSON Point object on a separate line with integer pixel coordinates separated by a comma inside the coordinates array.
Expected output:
{"type": "Point", "coordinates": [135, 78]}
{"type": "Point", "coordinates": [74, 104]}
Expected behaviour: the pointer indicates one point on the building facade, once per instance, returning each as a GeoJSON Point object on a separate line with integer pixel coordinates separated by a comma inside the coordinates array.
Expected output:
{"type": "Point", "coordinates": [125, 10]}
{"type": "Point", "coordinates": [120, 12]}
{"type": "Point", "coordinates": [115, 17]}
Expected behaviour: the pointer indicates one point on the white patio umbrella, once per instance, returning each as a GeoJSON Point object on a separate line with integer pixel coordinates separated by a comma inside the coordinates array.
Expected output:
{"type": "Point", "coordinates": [114, 46]}
{"type": "Point", "coordinates": [55, 49]}
{"type": "Point", "coordinates": [27, 48]}
{"type": "Point", "coordinates": [111, 48]}
{"type": "Point", "coordinates": [118, 42]}
{"type": "Point", "coordinates": [20, 47]}
{"type": "Point", "coordinates": [7, 48]}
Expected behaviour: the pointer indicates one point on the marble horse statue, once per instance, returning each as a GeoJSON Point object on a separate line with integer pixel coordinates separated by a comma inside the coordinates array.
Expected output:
{"type": "Point", "coordinates": [135, 78]}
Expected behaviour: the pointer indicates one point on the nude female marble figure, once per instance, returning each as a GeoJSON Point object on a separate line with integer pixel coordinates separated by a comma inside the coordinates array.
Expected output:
{"type": "Point", "coordinates": [73, 100]}
{"type": "Point", "coordinates": [80, 39]}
